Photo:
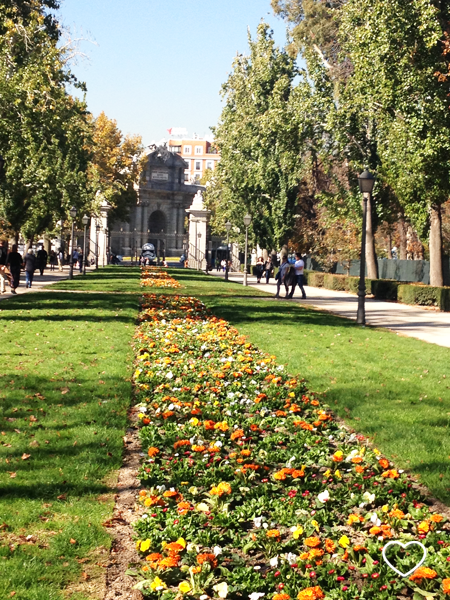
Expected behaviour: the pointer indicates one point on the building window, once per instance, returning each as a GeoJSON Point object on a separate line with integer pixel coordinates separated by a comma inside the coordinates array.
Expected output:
{"type": "Point", "coordinates": [210, 164]}
{"type": "Point", "coordinates": [175, 149]}
{"type": "Point", "coordinates": [187, 150]}
{"type": "Point", "coordinates": [188, 164]}
{"type": "Point", "coordinates": [198, 165]}
{"type": "Point", "coordinates": [186, 176]}
{"type": "Point", "coordinates": [198, 149]}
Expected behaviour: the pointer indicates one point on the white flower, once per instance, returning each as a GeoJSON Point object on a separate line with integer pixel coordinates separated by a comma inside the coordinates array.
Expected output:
{"type": "Point", "coordinates": [161, 488]}
{"type": "Point", "coordinates": [368, 497]}
{"type": "Point", "coordinates": [375, 520]}
{"type": "Point", "coordinates": [256, 596]}
{"type": "Point", "coordinates": [265, 525]}
{"type": "Point", "coordinates": [274, 561]}
{"type": "Point", "coordinates": [221, 589]}
{"type": "Point", "coordinates": [291, 558]}
{"type": "Point", "coordinates": [169, 375]}
{"type": "Point", "coordinates": [217, 550]}
{"type": "Point", "coordinates": [324, 496]}
{"type": "Point", "coordinates": [258, 521]}
{"type": "Point", "coordinates": [170, 407]}
{"type": "Point", "coordinates": [218, 444]}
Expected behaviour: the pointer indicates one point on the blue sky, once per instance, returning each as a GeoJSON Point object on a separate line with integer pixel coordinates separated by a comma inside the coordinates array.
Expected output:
{"type": "Point", "coordinates": [158, 64]}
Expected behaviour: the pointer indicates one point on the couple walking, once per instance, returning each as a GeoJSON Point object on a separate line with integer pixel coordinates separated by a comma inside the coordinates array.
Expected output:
{"type": "Point", "coordinates": [291, 275]}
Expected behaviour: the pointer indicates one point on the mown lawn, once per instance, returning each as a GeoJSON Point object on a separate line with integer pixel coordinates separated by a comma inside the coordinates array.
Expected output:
{"type": "Point", "coordinates": [394, 389]}
{"type": "Point", "coordinates": [64, 395]}
{"type": "Point", "coordinates": [107, 279]}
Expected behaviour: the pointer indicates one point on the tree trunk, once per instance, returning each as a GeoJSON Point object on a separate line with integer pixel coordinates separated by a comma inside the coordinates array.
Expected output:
{"type": "Point", "coordinates": [371, 257]}
{"type": "Point", "coordinates": [402, 232]}
{"type": "Point", "coordinates": [389, 245]}
{"type": "Point", "coordinates": [436, 276]}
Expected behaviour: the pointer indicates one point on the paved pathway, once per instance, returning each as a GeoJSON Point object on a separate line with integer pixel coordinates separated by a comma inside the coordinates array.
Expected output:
{"type": "Point", "coordinates": [39, 282]}
{"type": "Point", "coordinates": [429, 325]}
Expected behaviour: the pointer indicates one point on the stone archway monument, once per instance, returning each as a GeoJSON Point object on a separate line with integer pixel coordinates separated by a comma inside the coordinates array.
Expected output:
{"type": "Point", "coordinates": [198, 232]}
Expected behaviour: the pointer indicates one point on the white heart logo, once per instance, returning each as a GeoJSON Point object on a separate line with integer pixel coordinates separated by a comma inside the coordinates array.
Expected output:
{"type": "Point", "coordinates": [404, 546]}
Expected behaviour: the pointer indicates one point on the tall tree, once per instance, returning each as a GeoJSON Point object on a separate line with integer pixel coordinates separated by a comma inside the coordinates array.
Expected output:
{"type": "Point", "coordinates": [398, 50]}
{"type": "Point", "coordinates": [258, 141]}
{"type": "Point", "coordinates": [116, 166]}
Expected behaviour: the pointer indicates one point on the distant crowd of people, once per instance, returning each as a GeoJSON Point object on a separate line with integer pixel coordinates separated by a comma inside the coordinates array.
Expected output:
{"type": "Point", "coordinates": [12, 263]}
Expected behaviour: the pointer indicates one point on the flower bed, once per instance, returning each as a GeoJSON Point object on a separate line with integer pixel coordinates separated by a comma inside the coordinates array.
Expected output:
{"type": "Point", "coordinates": [155, 277]}
{"type": "Point", "coordinates": [251, 489]}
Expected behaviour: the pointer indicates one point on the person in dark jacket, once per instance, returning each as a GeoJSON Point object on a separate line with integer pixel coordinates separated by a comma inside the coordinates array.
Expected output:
{"type": "Point", "coordinates": [41, 259]}
{"type": "Point", "coordinates": [259, 269]}
{"type": "Point", "coordinates": [268, 269]}
{"type": "Point", "coordinates": [14, 263]}
{"type": "Point", "coordinates": [30, 266]}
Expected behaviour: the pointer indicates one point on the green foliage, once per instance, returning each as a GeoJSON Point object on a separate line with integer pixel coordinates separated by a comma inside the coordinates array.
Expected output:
{"type": "Point", "coordinates": [384, 289]}
{"type": "Point", "coordinates": [425, 295]}
{"type": "Point", "coordinates": [259, 143]}
{"type": "Point", "coordinates": [44, 133]}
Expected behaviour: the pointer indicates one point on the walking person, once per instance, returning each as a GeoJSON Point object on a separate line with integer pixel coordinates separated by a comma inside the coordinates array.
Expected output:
{"type": "Point", "coordinates": [80, 260]}
{"type": "Point", "coordinates": [3, 270]}
{"type": "Point", "coordinates": [53, 260]}
{"type": "Point", "coordinates": [299, 267]}
{"type": "Point", "coordinates": [60, 259]}
{"type": "Point", "coordinates": [259, 269]}
{"type": "Point", "coordinates": [14, 262]}
{"type": "Point", "coordinates": [30, 266]}
{"type": "Point", "coordinates": [41, 259]}
{"type": "Point", "coordinates": [281, 275]}
{"type": "Point", "coordinates": [268, 269]}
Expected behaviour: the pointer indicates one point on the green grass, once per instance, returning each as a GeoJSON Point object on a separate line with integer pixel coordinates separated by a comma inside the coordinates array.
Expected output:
{"type": "Point", "coordinates": [394, 389]}
{"type": "Point", "coordinates": [107, 279]}
{"type": "Point", "coordinates": [64, 394]}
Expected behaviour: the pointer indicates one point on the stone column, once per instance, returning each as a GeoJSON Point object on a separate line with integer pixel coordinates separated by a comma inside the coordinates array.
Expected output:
{"type": "Point", "coordinates": [198, 224]}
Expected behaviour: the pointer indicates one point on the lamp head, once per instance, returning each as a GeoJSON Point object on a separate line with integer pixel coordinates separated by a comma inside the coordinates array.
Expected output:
{"type": "Point", "coordinates": [247, 220]}
{"type": "Point", "coordinates": [73, 212]}
{"type": "Point", "coordinates": [366, 182]}
{"type": "Point", "coordinates": [85, 220]}
{"type": "Point", "coordinates": [228, 226]}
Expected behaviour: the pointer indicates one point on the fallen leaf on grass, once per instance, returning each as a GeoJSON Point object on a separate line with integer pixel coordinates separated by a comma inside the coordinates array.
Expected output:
{"type": "Point", "coordinates": [17, 430]}
{"type": "Point", "coordinates": [12, 475]}
{"type": "Point", "coordinates": [12, 594]}
{"type": "Point", "coordinates": [65, 390]}
{"type": "Point", "coordinates": [62, 497]}
{"type": "Point", "coordinates": [85, 576]}
{"type": "Point", "coordinates": [33, 418]}
{"type": "Point", "coordinates": [34, 444]}
{"type": "Point", "coordinates": [25, 456]}
{"type": "Point", "coordinates": [72, 541]}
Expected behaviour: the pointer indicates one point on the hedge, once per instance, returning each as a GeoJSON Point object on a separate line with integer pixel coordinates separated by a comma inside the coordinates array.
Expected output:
{"type": "Point", "coordinates": [425, 295]}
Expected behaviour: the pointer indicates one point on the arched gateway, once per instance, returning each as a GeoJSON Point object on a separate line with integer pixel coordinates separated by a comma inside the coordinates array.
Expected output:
{"type": "Point", "coordinates": [159, 215]}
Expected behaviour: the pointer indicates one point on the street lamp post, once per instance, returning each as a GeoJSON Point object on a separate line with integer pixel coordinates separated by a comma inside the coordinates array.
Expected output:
{"type": "Point", "coordinates": [73, 215]}
{"type": "Point", "coordinates": [85, 223]}
{"type": "Point", "coordinates": [228, 228]}
{"type": "Point", "coordinates": [97, 231]}
{"type": "Point", "coordinates": [247, 222]}
{"type": "Point", "coordinates": [366, 182]}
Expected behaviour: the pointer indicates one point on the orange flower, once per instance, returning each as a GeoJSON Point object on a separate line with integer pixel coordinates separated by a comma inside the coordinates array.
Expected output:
{"type": "Point", "coordinates": [181, 443]}
{"type": "Point", "coordinates": [384, 463]}
{"type": "Point", "coordinates": [254, 427]}
{"type": "Point", "coordinates": [316, 553]}
{"type": "Point", "coordinates": [173, 548]}
{"type": "Point", "coordinates": [239, 433]}
{"type": "Point", "coordinates": [423, 573]}
{"type": "Point", "coordinates": [273, 533]}
{"type": "Point", "coordinates": [436, 518]}
{"type": "Point", "coordinates": [281, 597]}
{"type": "Point", "coordinates": [311, 593]}
{"type": "Point", "coordinates": [183, 507]}
{"type": "Point", "coordinates": [359, 548]}
{"type": "Point", "coordinates": [312, 542]}
{"type": "Point", "coordinates": [153, 451]}
{"type": "Point", "coordinates": [170, 494]}
{"type": "Point", "coordinates": [167, 414]}
{"type": "Point", "coordinates": [221, 489]}
{"type": "Point", "coordinates": [222, 426]}
{"type": "Point", "coordinates": [354, 519]}
{"type": "Point", "coordinates": [315, 402]}
{"type": "Point", "coordinates": [245, 452]}
{"type": "Point", "coordinates": [280, 413]}
{"type": "Point", "coordinates": [446, 586]}
{"type": "Point", "coordinates": [391, 474]}
{"type": "Point", "coordinates": [208, 424]}
{"type": "Point", "coordinates": [304, 556]}
{"type": "Point", "coordinates": [154, 557]}
{"type": "Point", "coordinates": [142, 493]}
{"type": "Point", "coordinates": [423, 527]}
{"type": "Point", "coordinates": [209, 558]}
{"type": "Point", "coordinates": [397, 514]}
{"type": "Point", "coordinates": [338, 456]}
{"type": "Point", "coordinates": [330, 546]}
{"type": "Point", "coordinates": [359, 469]}
{"type": "Point", "coordinates": [296, 473]}
{"type": "Point", "coordinates": [357, 460]}
{"type": "Point", "coordinates": [198, 448]}
{"type": "Point", "coordinates": [279, 475]}
{"type": "Point", "coordinates": [169, 562]}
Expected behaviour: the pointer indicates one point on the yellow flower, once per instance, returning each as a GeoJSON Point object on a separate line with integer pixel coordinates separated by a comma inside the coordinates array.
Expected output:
{"type": "Point", "coordinates": [385, 508]}
{"type": "Point", "coordinates": [221, 589]}
{"type": "Point", "coordinates": [202, 507]}
{"type": "Point", "coordinates": [337, 474]}
{"type": "Point", "coordinates": [157, 584]}
{"type": "Point", "coordinates": [193, 490]}
{"type": "Point", "coordinates": [344, 541]}
{"type": "Point", "coordinates": [194, 421]}
{"type": "Point", "coordinates": [145, 545]}
{"type": "Point", "coordinates": [327, 473]}
{"type": "Point", "coordinates": [377, 452]}
{"type": "Point", "coordinates": [297, 531]}
{"type": "Point", "coordinates": [182, 542]}
{"type": "Point", "coordinates": [184, 587]}
{"type": "Point", "coordinates": [315, 524]}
